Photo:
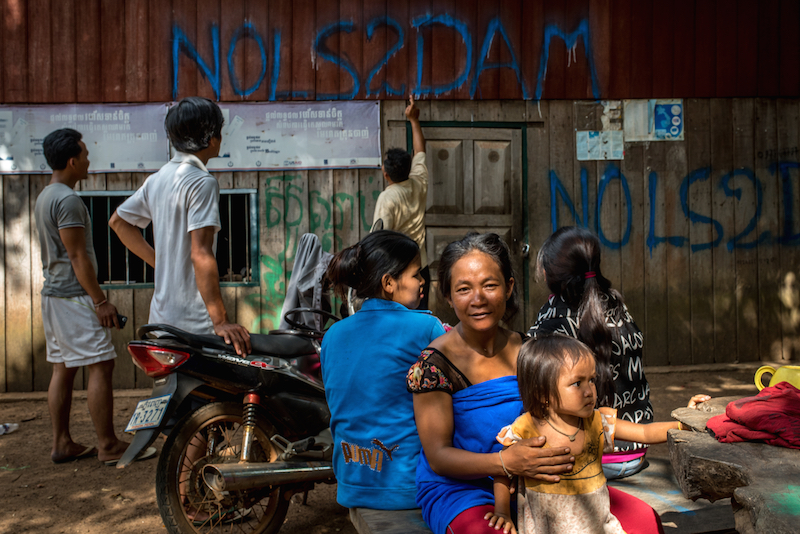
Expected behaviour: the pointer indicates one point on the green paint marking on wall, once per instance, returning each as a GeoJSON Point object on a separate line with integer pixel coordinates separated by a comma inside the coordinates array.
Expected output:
{"type": "Point", "coordinates": [340, 199]}
{"type": "Point", "coordinates": [789, 502]}
{"type": "Point", "coordinates": [319, 220]}
{"type": "Point", "coordinates": [288, 206]}
{"type": "Point", "coordinates": [272, 300]}
{"type": "Point", "coordinates": [362, 201]}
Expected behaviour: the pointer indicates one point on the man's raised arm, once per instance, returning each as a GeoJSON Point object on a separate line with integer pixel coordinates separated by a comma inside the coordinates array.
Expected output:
{"type": "Point", "coordinates": [412, 114]}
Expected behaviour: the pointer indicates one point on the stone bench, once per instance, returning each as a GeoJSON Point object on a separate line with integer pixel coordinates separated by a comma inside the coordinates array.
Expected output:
{"type": "Point", "coordinates": [368, 521]}
{"type": "Point", "coordinates": [763, 481]}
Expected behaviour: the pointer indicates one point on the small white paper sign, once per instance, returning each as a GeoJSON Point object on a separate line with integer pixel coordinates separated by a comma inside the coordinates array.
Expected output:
{"type": "Point", "coordinates": [599, 145]}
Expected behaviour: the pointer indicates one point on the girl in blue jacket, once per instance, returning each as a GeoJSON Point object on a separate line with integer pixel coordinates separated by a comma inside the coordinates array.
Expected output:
{"type": "Point", "coordinates": [365, 358]}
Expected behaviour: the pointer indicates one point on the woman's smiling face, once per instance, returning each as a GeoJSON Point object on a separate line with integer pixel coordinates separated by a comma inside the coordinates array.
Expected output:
{"type": "Point", "coordinates": [478, 293]}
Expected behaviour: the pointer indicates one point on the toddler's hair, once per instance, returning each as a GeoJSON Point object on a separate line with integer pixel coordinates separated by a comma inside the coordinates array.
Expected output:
{"type": "Point", "coordinates": [539, 365]}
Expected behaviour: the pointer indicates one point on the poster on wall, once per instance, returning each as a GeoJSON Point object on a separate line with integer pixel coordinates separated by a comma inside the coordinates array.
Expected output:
{"type": "Point", "coordinates": [653, 120]}
{"type": "Point", "coordinates": [120, 137]}
{"type": "Point", "coordinates": [299, 135]}
{"type": "Point", "coordinates": [602, 145]}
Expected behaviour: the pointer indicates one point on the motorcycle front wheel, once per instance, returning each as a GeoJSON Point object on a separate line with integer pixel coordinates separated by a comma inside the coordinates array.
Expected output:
{"type": "Point", "coordinates": [213, 434]}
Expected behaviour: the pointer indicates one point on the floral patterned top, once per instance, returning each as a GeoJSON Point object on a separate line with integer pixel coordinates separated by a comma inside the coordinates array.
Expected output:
{"type": "Point", "coordinates": [434, 372]}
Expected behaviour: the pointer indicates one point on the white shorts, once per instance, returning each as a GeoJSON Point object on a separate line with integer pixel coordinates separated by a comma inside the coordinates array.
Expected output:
{"type": "Point", "coordinates": [73, 332]}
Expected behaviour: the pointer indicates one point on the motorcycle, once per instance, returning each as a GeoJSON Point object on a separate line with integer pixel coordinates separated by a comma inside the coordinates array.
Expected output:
{"type": "Point", "coordinates": [245, 433]}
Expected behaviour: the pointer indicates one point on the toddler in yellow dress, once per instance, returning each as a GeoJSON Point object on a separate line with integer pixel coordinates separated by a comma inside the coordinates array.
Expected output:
{"type": "Point", "coordinates": [556, 375]}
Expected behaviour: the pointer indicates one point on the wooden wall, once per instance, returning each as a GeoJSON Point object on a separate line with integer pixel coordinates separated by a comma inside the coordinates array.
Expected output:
{"type": "Point", "coordinates": [159, 50]}
{"type": "Point", "coordinates": [709, 267]}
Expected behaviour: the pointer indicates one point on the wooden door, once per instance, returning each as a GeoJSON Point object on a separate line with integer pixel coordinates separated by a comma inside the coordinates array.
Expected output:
{"type": "Point", "coordinates": [475, 184]}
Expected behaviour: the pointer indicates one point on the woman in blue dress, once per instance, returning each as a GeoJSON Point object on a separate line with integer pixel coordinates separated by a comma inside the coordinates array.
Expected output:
{"type": "Point", "coordinates": [465, 383]}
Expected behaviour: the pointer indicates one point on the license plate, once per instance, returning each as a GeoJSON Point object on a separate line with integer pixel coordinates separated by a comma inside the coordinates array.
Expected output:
{"type": "Point", "coordinates": [148, 414]}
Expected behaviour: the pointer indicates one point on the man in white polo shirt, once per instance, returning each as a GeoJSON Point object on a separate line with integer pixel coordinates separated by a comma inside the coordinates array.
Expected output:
{"type": "Point", "coordinates": [182, 202]}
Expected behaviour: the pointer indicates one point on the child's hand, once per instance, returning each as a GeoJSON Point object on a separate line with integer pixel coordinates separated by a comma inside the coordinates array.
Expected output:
{"type": "Point", "coordinates": [499, 521]}
{"type": "Point", "coordinates": [694, 401]}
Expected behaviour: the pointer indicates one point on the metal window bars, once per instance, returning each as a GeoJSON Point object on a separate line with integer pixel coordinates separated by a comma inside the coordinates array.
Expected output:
{"type": "Point", "coordinates": [239, 223]}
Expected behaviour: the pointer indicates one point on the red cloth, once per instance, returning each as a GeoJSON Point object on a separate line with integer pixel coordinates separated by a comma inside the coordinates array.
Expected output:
{"type": "Point", "coordinates": [772, 416]}
{"type": "Point", "coordinates": [635, 516]}
{"type": "Point", "coordinates": [471, 521]}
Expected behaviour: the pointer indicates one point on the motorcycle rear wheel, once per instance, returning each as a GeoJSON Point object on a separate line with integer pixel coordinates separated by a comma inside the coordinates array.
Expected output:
{"type": "Point", "coordinates": [213, 434]}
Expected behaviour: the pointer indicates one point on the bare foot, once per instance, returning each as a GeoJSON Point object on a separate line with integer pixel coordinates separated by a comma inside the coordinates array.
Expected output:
{"type": "Point", "coordinates": [113, 453]}
{"type": "Point", "coordinates": [71, 451]}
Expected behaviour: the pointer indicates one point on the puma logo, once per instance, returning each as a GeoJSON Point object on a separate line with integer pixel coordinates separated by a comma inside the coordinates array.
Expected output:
{"type": "Point", "coordinates": [372, 458]}
{"type": "Point", "coordinates": [381, 446]}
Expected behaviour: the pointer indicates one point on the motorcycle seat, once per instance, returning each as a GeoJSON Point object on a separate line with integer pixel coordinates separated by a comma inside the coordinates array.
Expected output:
{"type": "Point", "coordinates": [262, 344]}
{"type": "Point", "coordinates": [283, 346]}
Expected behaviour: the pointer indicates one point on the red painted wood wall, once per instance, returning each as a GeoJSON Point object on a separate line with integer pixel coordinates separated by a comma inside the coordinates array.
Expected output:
{"type": "Point", "coordinates": [122, 50]}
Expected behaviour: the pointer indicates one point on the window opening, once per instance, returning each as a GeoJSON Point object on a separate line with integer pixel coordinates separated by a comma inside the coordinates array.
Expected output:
{"type": "Point", "coordinates": [237, 239]}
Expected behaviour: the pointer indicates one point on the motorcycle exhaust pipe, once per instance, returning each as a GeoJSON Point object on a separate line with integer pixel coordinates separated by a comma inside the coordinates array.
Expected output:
{"type": "Point", "coordinates": [244, 476]}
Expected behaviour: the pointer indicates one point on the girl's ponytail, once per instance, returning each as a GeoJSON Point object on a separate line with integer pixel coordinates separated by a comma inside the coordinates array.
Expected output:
{"type": "Point", "coordinates": [570, 262]}
{"type": "Point", "coordinates": [344, 270]}
{"type": "Point", "coordinates": [594, 331]}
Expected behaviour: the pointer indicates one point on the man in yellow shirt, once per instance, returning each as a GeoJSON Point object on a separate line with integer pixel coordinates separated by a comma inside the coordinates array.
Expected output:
{"type": "Point", "coordinates": [402, 204]}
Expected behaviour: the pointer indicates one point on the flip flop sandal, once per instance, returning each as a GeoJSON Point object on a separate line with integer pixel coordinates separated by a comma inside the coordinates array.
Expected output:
{"type": "Point", "coordinates": [88, 452]}
{"type": "Point", "coordinates": [149, 452]}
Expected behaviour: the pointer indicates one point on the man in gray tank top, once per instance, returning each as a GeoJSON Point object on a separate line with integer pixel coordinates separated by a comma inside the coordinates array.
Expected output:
{"type": "Point", "coordinates": [76, 314]}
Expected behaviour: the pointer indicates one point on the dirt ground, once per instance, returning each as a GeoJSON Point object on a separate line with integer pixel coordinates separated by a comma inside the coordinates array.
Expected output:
{"type": "Point", "coordinates": [87, 497]}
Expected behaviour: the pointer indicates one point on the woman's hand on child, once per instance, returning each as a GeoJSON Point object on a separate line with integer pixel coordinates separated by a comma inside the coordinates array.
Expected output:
{"type": "Point", "coordinates": [697, 399]}
{"type": "Point", "coordinates": [501, 521]}
{"type": "Point", "coordinates": [527, 458]}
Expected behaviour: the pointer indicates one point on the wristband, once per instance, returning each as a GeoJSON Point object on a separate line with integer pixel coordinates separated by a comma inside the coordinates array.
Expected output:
{"type": "Point", "coordinates": [100, 303]}
{"type": "Point", "coordinates": [500, 453]}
